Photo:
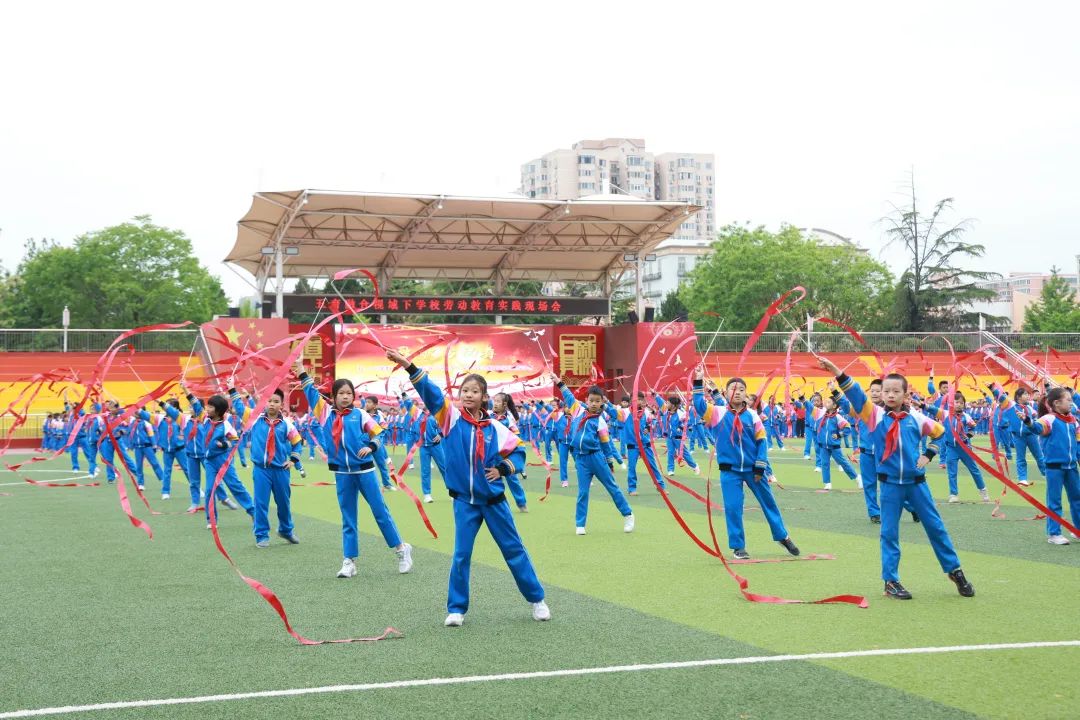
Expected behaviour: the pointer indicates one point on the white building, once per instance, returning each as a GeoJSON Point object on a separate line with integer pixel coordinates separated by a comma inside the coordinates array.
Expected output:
{"type": "Point", "coordinates": [624, 166]}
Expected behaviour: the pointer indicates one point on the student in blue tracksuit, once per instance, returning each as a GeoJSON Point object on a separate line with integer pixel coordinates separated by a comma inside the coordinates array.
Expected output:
{"type": "Point", "coordinates": [897, 430]}
{"type": "Point", "coordinates": [561, 431]}
{"type": "Point", "coordinates": [144, 441]}
{"type": "Point", "coordinates": [630, 441]}
{"type": "Point", "coordinates": [677, 419]}
{"type": "Point", "coordinates": [547, 429]}
{"type": "Point", "coordinates": [382, 459]}
{"type": "Point", "coordinates": [410, 426]}
{"type": "Point", "coordinates": [430, 449]}
{"type": "Point", "coordinates": [811, 407]}
{"type": "Point", "coordinates": [170, 438]}
{"type": "Point", "coordinates": [1060, 432]}
{"type": "Point", "coordinates": [502, 408]}
{"type": "Point", "coordinates": [111, 428]}
{"type": "Point", "coordinates": [275, 446]}
{"type": "Point", "coordinates": [958, 426]}
{"type": "Point", "coordinates": [214, 437]}
{"type": "Point", "coordinates": [93, 437]}
{"type": "Point", "coordinates": [186, 426]}
{"type": "Point", "coordinates": [616, 426]}
{"type": "Point", "coordinates": [593, 454]}
{"type": "Point", "coordinates": [1015, 412]}
{"type": "Point", "coordinates": [828, 427]}
{"type": "Point", "coordinates": [305, 432]}
{"type": "Point", "coordinates": [350, 437]}
{"type": "Point", "coordinates": [479, 453]}
{"type": "Point", "coordinates": [742, 455]}
{"type": "Point", "coordinates": [772, 416]}
{"type": "Point", "coordinates": [78, 442]}
{"type": "Point", "coordinates": [1001, 429]}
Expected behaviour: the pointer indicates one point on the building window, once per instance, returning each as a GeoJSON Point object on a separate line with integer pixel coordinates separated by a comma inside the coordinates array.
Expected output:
{"type": "Point", "coordinates": [686, 162]}
{"type": "Point", "coordinates": [586, 186]}
{"type": "Point", "coordinates": [603, 162]}
{"type": "Point", "coordinates": [585, 172]}
{"type": "Point", "coordinates": [585, 159]}
{"type": "Point", "coordinates": [633, 160]}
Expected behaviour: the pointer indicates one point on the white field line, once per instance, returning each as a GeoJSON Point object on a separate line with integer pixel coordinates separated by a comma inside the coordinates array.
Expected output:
{"type": "Point", "coordinates": [53, 480]}
{"type": "Point", "coordinates": [606, 670]}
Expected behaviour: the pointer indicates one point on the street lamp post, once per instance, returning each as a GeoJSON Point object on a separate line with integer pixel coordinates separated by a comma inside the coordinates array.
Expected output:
{"type": "Point", "coordinates": [65, 319]}
{"type": "Point", "coordinates": [639, 305]}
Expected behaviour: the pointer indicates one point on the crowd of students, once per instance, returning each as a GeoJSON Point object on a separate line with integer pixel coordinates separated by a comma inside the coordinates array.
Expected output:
{"type": "Point", "coordinates": [478, 443]}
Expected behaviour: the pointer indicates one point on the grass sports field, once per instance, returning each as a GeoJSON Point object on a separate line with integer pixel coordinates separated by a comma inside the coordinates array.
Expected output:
{"type": "Point", "coordinates": [644, 625]}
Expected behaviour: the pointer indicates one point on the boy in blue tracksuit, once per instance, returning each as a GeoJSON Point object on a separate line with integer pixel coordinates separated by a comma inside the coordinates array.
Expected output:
{"type": "Point", "coordinates": [111, 428]}
{"type": "Point", "coordinates": [350, 437]}
{"type": "Point", "coordinates": [593, 454]}
{"type": "Point", "coordinates": [1060, 432]}
{"type": "Point", "coordinates": [144, 440]}
{"type": "Point", "coordinates": [547, 429]}
{"type": "Point", "coordinates": [897, 430]}
{"type": "Point", "coordinates": [828, 427]}
{"type": "Point", "coordinates": [275, 445]}
{"type": "Point", "coordinates": [561, 432]}
{"type": "Point", "coordinates": [187, 426]}
{"type": "Point", "coordinates": [772, 415]}
{"type": "Point", "coordinates": [630, 441]}
{"type": "Point", "coordinates": [742, 455]}
{"type": "Point", "coordinates": [958, 427]}
{"type": "Point", "coordinates": [78, 442]}
{"type": "Point", "coordinates": [1014, 413]}
{"type": "Point", "coordinates": [430, 449]}
{"type": "Point", "coordinates": [170, 438]}
{"type": "Point", "coordinates": [214, 436]}
{"type": "Point", "coordinates": [677, 419]}
{"type": "Point", "coordinates": [479, 454]}
{"type": "Point", "coordinates": [811, 407]}
{"type": "Point", "coordinates": [501, 408]}
{"type": "Point", "coordinates": [1001, 430]}
{"type": "Point", "coordinates": [382, 459]}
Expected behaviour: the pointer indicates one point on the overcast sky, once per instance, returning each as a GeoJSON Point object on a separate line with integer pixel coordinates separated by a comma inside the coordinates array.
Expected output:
{"type": "Point", "coordinates": [816, 112]}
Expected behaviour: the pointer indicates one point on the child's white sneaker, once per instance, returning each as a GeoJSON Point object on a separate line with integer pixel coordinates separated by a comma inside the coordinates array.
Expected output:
{"type": "Point", "coordinates": [540, 611]}
{"type": "Point", "coordinates": [454, 620]}
{"type": "Point", "coordinates": [628, 523]}
{"type": "Point", "coordinates": [827, 486]}
{"type": "Point", "coordinates": [579, 531]}
{"type": "Point", "coordinates": [954, 499]}
{"type": "Point", "coordinates": [428, 499]}
{"type": "Point", "coordinates": [348, 568]}
{"type": "Point", "coordinates": [404, 558]}
{"type": "Point", "coordinates": [1057, 540]}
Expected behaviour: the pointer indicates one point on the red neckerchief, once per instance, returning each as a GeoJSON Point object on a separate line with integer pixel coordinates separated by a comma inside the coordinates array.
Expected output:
{"type": "Point", "coordinates": [338, 427]}
{"type": "Point", "coordinates": [736, 423]}
{"type": "Point", "coordinates": [1068, 418]}
{"type": "Point", "coordinates": [479, 425]}
{"type": "Point", "coordinates": [271, 441]}
{"type": "Point", "coordinates": [892, 435]}
{"type": "Point", "coordinates": [586, 417]}
{"type": "Point", "coordinates": [210, 431]}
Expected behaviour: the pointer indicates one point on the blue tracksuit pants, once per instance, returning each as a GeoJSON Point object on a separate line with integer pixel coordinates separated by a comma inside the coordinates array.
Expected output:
{"type": "Point", "coordinates": [825, 458]}
{"type": "Point", "coordinates": [427, 454]}
{"type": "Point", "coordinates": [893, 496]}
{"type": "Point", "coordinates": [673, 447]}
{"type": "Point", "coordinates": [632, 455]}
{"type": "Point", "coordinates": [168, 459]}
{"type": "Point", "coordinates": [810, 443]}
{"type": "Point", "coordinates": [731, 486]}
{"type": "Point", "coordinates": [868, 471]}
{"type": "Point", "coordinates": [771, 435]}
{"type": "Point", "coordinates": [145, 453]}
{"type": "Point", "coordinates": [1056, 479]}
{"type": "Point", "coordinates": [1004, 439]}
{"type": "Point", "coordinates": [230, 479]}
{"type": "Point", "coordinates": [349, 487]}
{"type": "Point", "coordinates": [76, 446]}
{"type": "Point", "coordinates": [107, 455]}
{"type": "Point", "coordinates": [381, 459]}
{"type": "Point", "coordinates": [564, 461]}
{"type": "Point", "coordinates": [953, 459]}
{"type": "Point", "coordinates": [547, 449]}
{"type": "Point", "coordinates": [500, 521]}
{"type": "Point", "coordinates": [90, 448]}
{"type": "Point", "coordinates": [310, 440]}
{"type": "Point", "coordinates": [1022, 443]}
{"type": "Point", "coordinates": [272, 481]}
{"type": "Point", "coordinates": [194, 476]}
{"type": "Point", "coordinates": [595, 465]}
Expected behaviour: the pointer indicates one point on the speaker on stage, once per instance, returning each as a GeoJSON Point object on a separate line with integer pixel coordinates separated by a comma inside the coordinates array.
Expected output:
{"type": "Point", "coordinates": [650, 314]}
{"type": "Point", "coordinates": [633, 316]}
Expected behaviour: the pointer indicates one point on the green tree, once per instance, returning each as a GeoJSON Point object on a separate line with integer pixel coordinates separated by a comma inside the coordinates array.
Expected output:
{"type": "Point", "coordinates": [1056, 310]}
{"type": "Point", "coordinates": [128, 275]}
{"type": "Point", "coordinates": [672, 307]}
{"type": "Point", "coordinates": [935, 290]}
{"type": "Point", "coordinates": [750, 267]}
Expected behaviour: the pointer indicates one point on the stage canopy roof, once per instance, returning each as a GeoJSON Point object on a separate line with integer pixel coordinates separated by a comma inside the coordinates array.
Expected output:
{"type": "Point", "coordinates": [448, 237]}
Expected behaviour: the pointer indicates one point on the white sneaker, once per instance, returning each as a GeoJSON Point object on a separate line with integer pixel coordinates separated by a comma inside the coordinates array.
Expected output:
{"type": "Point", "coordinates": [348, 568]}
{"type": "Point", "coordinates": [1024, 483]}
{"type": "Point", "coordinates": [565, 483]}
{"type": "Point", "coordinates": [192, 508]}
{"type": "Point", "coordinates": [579, 531]}
{"type": "Point", "coordinates": [628, 523]}
{"type": "Point", "coordinates": [165, 496]}
{"type": "Point", "coordinates": [428, 499]}
{"type": "Point", "coordinates": [817, 468]}
{"type": "Point", "coordinates": [805, 457]}
{"type": "Point", "coordinates": [209, 526]}
{"type": "Point", "coordinates": [697, 470]}
{"type": "Point", "coordinates": [1057, 540]}
{"type": "Point", "coordinates": [404, 558]}
{"type": "Point", "coordinates": [231, 504]}
{"type": "Point", "coordinates": [954, 499]}
{"type": "Point", "coordinates": [540, 611]}
{"type": "Point", "coordinates": [412, 466]}
{"type": "Point", "coordinates": [858, 481]}
{"type": "Point", "coordinates": [454, 620]}
{"type": "Point", "coordinates": [671, 473]}
{"type": "Point", "coordinates": [985, 495]}
{"type": "Point", "coordinates": [141, 488]}
{"type": "Point", "coordinates": [827, 486]}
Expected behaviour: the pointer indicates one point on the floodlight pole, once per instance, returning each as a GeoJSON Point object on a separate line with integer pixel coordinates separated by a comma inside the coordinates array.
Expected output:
{"type": "Point", "coordinates": [65, 318]}
{"type": "Point", "coordinates": [280, 278]}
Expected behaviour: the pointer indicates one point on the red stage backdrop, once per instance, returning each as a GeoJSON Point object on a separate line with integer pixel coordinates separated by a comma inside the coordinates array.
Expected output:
{"type": "Point", "coordinates": [511, 358]}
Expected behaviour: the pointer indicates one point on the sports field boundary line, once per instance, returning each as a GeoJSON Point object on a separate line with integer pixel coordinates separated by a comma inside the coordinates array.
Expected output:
{"type": "Point", "coordinates": [539, 674]}
{"type": "Point", "coordinates": [54, 480]}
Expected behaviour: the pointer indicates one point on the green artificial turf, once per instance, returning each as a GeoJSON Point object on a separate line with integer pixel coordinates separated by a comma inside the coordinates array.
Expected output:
{"type": "Point", "coordinates": [96, 612]}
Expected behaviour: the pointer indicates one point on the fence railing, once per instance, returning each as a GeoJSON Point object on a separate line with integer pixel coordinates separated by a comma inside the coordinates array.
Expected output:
{"type": "Point", "coordinates": [52, 340]}
{"type": "Point", "coordinates": [885, 342]}
{"type": "Point", "coordinates": [30, 429]}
